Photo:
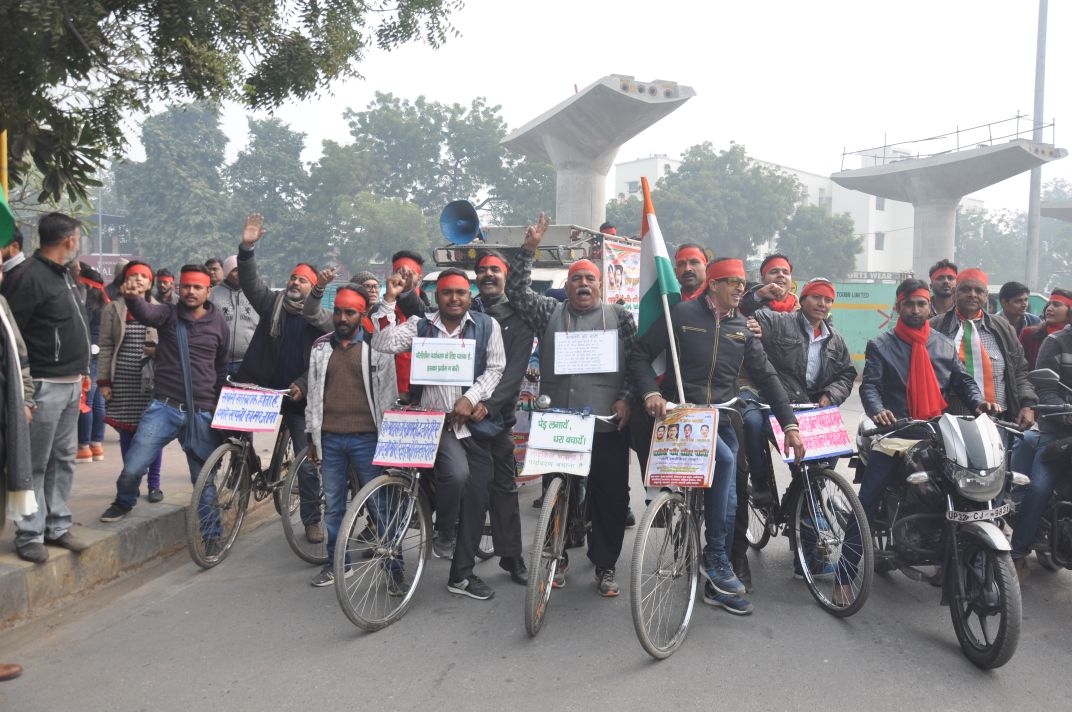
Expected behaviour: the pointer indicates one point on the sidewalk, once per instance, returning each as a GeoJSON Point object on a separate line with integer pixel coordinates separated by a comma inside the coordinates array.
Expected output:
{"type": "Point", "coordinates": [150, 531]}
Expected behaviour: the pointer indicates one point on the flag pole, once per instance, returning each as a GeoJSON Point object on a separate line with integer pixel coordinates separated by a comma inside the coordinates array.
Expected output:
{"type": "Point", "coordinates": [3, 162]}
{"type": "Point", "coordinates": [673, 351]}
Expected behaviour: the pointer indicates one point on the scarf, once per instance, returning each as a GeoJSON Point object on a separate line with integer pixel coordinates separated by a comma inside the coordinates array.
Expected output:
{"type": "Point", "coordinates": [291, 305]}
{"type": "Point", "coordinates": [973, 355]}
{"type": "Point", "coordinates": [695, 295]}
{"type": "Point", "coordinates": [924, 396]}
{"type": "Point", "coordinates": [498, 308]}
{"type": "Point", "coordinates": [786, 305]}
{"type": "Point", "coordinates": [1053, 328]}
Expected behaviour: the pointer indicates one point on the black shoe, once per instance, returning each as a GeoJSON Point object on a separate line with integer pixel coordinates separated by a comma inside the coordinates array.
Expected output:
{"type": "Point", "coordinates": [212, 547]}
{"type": "Point", "coordinates": [472, 587]}
{"type": "Point", "coordinates": [515, 566]}
{"type": "Point", "coordinates": [69, 541]}
{"type": "Point", "coordinates": [537, 503]}
{"type": "Point", "coordinates": [761, 497]}
{"type": "Point", "coordinates": [606, 583]}
{"type": "Point", "coordinates": [33, 552]}
{"type": "Point", "coordinates": [156, 495]}
{"type": "Point", "coordinates": [743, 571]}
{"type": "Point", "coordinates": [630, 518]}
{"type": "Point", "coordinates": [114, 513]}
{"type": "Point", "coordinates": [442, 548]}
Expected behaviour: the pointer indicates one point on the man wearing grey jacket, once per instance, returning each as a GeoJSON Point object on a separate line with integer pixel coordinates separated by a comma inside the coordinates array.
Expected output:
{"type": "Point", "coordinates": [241, 317]}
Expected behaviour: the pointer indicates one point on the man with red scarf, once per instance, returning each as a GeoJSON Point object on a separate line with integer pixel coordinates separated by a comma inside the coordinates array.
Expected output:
{"type": "Point", "coordinates": [409, 303]}
{"type": "Point", "coordinates": [690, 265]}
{"type": "Point", "coordinates": [775, 291]}
{"type": "Point", "coordinates": [1056, 317]}
{"type": "Point", "coordinates": [989, 351]}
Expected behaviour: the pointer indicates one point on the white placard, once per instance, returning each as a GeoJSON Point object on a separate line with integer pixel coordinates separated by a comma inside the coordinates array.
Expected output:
{"type": "Point", "coordinates": [822, 432]}
{"type": "Point", "coordinates": [542, 462]}
{"type": "Point", "coordinates": [408, 438]}
{"type": "Point", "coordinates": [561, 431]}
{"type": "Point", "coordinates": [247, 411]}
{"type": "Point", "coordinates": [683, 449]}
{"type": "Point", "coordinates": [586, 352]}
{"type": "Point", "coordinates": [443, 362]}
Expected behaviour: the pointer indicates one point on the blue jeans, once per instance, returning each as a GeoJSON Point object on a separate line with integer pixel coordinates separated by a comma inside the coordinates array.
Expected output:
{"type": "Point", "coordinates": [91, 424]}
{"type": "Point", "coordinates": [1037, 496]}
{"type": "Point", "coordinates": [876, 476]}
{"type": "Point", "coordinates": [338, 453]}
{"type": "Point", "coordinates": [757, 430]}
{"type": "Point", "coordinates": [308, 480]}
{"type": "Point", "coordinates": [720, 499]}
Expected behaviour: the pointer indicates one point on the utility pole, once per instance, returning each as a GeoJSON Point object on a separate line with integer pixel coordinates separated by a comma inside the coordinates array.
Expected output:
{"type": "Point", "coordinates": [1036, 173]}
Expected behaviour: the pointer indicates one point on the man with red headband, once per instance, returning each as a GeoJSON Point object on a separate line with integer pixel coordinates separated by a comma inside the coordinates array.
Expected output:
{"type": "Point", "coordinates": [775, 292]}
{"type": "Point", "coordinates": [690, 266]}
{"type": "Point", "coordinates": [943, 276]}
{"type": "Point", "coordinates": [165, 417]}
{"type": "Point", "coordinates": [165, 287]}
{"type": "Point", "coordinates": [463, 467]}
{"type": "Point", "coordinates": [988, 349]}
{"type": "Point", "coordinates": [278, 353]}
{"type": "Point", "coordinates": [606, 392]}
{"type": "Point", "coordinates": [345, 407]}
{"type": "Point", "coordinates": [714, 344]}
{"type": "Point", "coordinates": [407, 304]}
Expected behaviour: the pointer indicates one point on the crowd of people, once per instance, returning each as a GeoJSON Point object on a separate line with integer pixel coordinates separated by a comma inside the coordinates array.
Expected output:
{"type": "Point", "coordinates": [148, 357]}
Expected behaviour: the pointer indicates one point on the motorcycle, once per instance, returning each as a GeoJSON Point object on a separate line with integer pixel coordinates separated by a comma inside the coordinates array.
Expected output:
{"type": "Point", "coordinates": [942, 508]}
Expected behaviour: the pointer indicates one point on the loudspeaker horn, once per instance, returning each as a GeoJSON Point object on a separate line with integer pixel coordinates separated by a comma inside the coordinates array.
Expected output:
{"type": "Point", "coordinates": [459, 223]}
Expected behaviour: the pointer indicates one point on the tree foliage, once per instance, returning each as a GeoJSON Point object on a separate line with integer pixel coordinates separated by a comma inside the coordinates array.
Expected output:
{"type": "Point", "coordinates": [820, 244]}
{"type": "Point", "coordinates": [74, 70]}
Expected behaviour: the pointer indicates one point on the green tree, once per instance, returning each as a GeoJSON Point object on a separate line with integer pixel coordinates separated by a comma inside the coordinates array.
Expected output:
{"type": "Point", "coordinates": [820, 244]}
{"type": "Point", "coordinates": [724, 200]}
{"type": "Point", "coordinates": [626, 215]}
{"type": "Point", "coordinates": [373, 227]}
{"type": "Point", "coordinates": [993, 242]}
{"type": "Point", "coordinates": [72, 71]}
{"type": "Point", "coordinates": [177, 207]}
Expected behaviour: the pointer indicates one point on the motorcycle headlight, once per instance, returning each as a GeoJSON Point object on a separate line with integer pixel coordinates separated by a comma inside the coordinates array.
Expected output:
{"type": "Point", "coordinates": [977, 485]}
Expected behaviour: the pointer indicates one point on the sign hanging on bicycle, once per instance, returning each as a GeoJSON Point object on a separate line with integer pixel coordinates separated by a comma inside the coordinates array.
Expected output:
{"type": "Point", "coordinates": [822, 431]}
{"type": "Point", "coordinates": [683, 448]}
{"type": "Point", "coordinates": [409, 438]}
{"type": "Point", "coordinates": [561, 431]}
{"type": "Point", "coordinates": [248, 411]}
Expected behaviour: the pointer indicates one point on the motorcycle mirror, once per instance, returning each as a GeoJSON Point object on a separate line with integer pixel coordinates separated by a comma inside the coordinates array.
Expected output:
{"type": "Point", "coordinates": [918, 478]}
{"type": "Point", "coordinates": [1019, 479]}
{"type": "Point", "coordinates": [1043, 375]}
{"type": "Point", "coordinates": [543, 402]}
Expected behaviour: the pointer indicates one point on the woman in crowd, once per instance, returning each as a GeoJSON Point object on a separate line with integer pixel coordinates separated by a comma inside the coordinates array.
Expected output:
{"type": "Point", "coordinates": [1055, 318]}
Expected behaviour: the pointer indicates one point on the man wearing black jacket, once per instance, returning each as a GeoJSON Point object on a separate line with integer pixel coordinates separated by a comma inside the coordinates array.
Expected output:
{"type": "Point", "coordinates": [491, 270]}
{"type": "Point", "coordinates": [55, 328]}
{"type": "Point", "coordinates": [714, 342]}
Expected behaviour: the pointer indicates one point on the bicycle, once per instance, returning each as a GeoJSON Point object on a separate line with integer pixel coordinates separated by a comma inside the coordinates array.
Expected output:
{"type": "Point", "coordinates": [221, 494]}
{"type": "Point", "coordinates": [561, 517]}
{"type": "Point", "coordinates": [298, 507]}
{"type": "Point", "coordinates": [383, 545]}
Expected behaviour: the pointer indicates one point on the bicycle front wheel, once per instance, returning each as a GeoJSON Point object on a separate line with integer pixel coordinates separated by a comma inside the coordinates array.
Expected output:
{"type": "Point", "coordinates": [299, 510]}
{"type": "Point", "coordinates": [286, 463]}
{"type": "Point", "coordinates": [217, 505]}
{"type": "Point", "coordinates": [832, 542]}
{"type": "Point", "coordinates": [665, 575]}
{"type": "Point", "coordinates": [383, 545]}
{"type": "Point", "coordinates": [548, 546]}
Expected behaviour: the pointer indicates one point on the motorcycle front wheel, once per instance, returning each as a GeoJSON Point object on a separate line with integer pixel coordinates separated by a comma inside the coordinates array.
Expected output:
{"type": "Point", "coordinates": [987, 618]}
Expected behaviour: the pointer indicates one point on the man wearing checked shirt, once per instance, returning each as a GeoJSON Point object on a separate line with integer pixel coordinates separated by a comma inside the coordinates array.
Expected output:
{"type": "Point", "coordinates": [463, 466]}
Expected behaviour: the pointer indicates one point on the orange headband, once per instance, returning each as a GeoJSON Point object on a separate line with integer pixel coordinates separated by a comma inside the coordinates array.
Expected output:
{"type": "Point", "coordinates": [142, 270]}
{"type": "Point", "coordinates": [452, 281]}
{"type": "Point", "coordinates": [943, 270]}
{"type": "Point", "coordinates": [823, 289]}
{"type": "Point", "coordinates": [975, 274]}
{"type": "Point", "coordinates": [1061, 298]}
{"type": "Point", "coordinates": [584, 265]}
{"type": "Point", "coordinates": [687, 253]}
{"type": "Point", "coordinates": [777, 262]}
{"type": "Point", "coordinates": [725, 268]}
{"type": "Point", "coordinates": [193, 277]}
{"type": "Point", "coordinates": [492, 260]}
{"type": "Point", "coordinates": [305, 271]}
{"type": "Point", "coordinates": [349, 299]}
{"type": "Point", "coordinates": [407, 262]}
{"type": "Point", "coordinates": [924, 293]}
{"type": "Point", "coordinates": [167, 280]}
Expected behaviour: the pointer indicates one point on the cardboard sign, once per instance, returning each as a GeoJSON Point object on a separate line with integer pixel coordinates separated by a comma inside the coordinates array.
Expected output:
{"type": "Point", "coordinates": [443, 362]}
{"type": "Point", "coordinates": [408, 438]}
{"type": "Point", "coordinates": [542, 462]}
{"type": "Point", "coordinates": [822, 431]}
{"type": "Point", "coordinates": [586, 352]}
{"type": "Point", "coordinates": [561, 431]}
{"type": "Point", "coordinates": [683, 449]}
{"type": "Point", "coordinates": [621, 275]}
{"type": "Point", "coordinates": [247, 411]}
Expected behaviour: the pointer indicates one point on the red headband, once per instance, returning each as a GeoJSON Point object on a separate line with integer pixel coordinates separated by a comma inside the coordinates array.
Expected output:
{"type": "Point", "coordinates": [975, 274]}
{"type": "Point", "coordinates": [943, 270]}
{"type": "Point", "coordinates": [167, 280]}
{"type": "Point", "coordinates": [492, 260]}
{"type": "Point", "coordinates": [585, 265]}
{"type": "Point", "coordinates": [142, 270]}
{"type": "Point", "coordinates": [1055, 297]}
{"type": "Point", "coordinates": [407, 262]}
{"type": "Point", "coordinates": [725, 268]}
{"type": "Point", "coordinates": [924, 293]}
{"type": "Point", "coordinates": [452, 281]}
{"type": "Point", "coordinates": [777, 262]}
{"type": "Point", "coordinates": [349, 299]}
{"type": "Point", "coordinates": [610, 231]}
{"type": "Point", "coordinates": [305, 271]}
{"type": "Point", "coordinates": [687, 253]}
{"type": "Point", "coordinates": [193, 277]}
{"type": "Point", "coordinates": [823, 289]}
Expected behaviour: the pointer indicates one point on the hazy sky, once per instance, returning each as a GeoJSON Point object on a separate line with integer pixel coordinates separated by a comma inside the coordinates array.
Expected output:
{"type": "Point", "coordinates": [795, 82]}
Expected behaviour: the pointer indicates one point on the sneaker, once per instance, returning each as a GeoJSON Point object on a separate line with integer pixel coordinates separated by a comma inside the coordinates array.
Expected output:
{"type": "Point", "coordinates": [84, 455]}
{"type": "Point", "coordinates": [98, 452]}
{"type": "Point", "coordinates": [314, 533]}
{"type": "Point", "coordinates": [212, 547]}
{"type": "Point", "coordinates": [326, 577]}
{"type": "Point", "coordinates": [396, 583]}
{"type": "Point", "coordinates": [608, 587]}
{"type": "Point", "coordinates": [114, 513]}
{"type": "Point", "coordinates": [723, 579]}
{"type": "Point", "coordinates": [630, 518]}
{"type": "Point", "coordinates": [472, 587]}
{"type": "Point", "coordinates": [734, 604]}
{"type": "Point", "coordinates": [442, 548]}
{"type": "Point", "coordinates": [819, 569]}
{"type": "Point", "coordinates": [156, 495]}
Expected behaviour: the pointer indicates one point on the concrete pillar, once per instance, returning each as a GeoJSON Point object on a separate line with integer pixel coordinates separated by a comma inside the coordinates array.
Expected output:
{"type": "Point", "coordinates": [580, 195]}
{"type": "Point", "coordinates": [933, 231]}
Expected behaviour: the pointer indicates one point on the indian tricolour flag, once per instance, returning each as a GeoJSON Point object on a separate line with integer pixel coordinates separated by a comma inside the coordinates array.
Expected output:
{"type": "Point", "coordinates": [657, 278]}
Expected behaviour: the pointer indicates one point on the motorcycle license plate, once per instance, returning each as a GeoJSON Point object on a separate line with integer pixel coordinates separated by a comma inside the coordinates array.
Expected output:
{"type": "Point", "coordinates": [978, 516]}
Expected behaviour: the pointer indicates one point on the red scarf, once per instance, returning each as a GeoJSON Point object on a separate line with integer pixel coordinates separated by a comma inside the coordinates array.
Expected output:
{"type": "Point", "coordinates": [925, 398]}
{"type": "Point", "coordinates": [789, 304]}
{"type": "Point", "coordinates": [698, 293]}
{"type": "Point", "coordinates": [1053, 328]}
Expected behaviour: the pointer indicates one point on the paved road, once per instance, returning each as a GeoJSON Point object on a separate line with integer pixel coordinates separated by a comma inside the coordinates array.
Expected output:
{"type": "Point", "coordinates": [253, 635]}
